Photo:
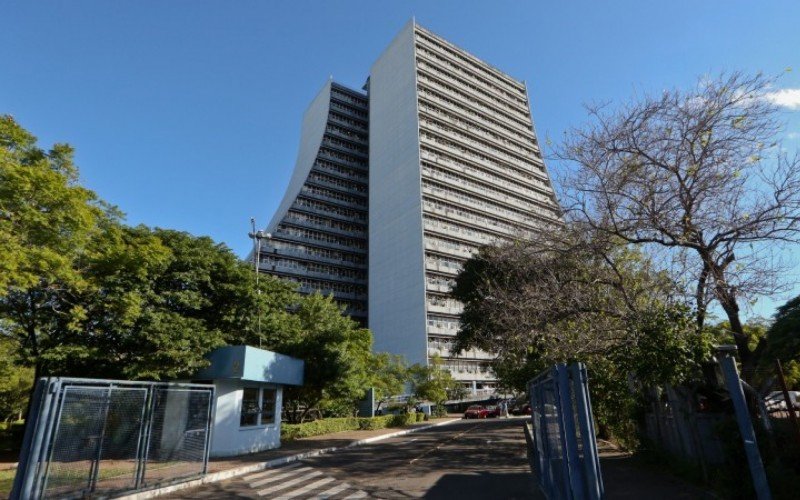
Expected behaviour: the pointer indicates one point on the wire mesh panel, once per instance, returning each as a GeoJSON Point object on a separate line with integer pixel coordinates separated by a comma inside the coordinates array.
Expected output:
{"type": "Point", "coordinates": [178, 434]}
{"type": "Point", "coordinates": [102, 437]}
{"type": "Point", "coordinates": [564, 444]}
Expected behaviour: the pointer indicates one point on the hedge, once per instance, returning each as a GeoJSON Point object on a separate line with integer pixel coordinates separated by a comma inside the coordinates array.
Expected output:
{"type": "Point", "coordinates": [331, 425]}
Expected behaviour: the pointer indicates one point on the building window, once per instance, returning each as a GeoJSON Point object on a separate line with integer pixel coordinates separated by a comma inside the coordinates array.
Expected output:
{"type": "Point", "coordinates": [258, 406]}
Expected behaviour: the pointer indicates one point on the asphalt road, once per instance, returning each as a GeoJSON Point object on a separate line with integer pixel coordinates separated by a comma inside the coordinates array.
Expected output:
{"type": "Point", "coordinates": [466, 460]}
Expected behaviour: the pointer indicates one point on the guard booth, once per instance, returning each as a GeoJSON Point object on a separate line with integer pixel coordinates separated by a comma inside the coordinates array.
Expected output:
{"type": "Point", "coordinates": [248, 399]}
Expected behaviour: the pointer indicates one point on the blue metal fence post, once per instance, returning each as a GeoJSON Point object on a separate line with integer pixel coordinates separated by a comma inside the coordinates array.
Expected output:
{"type": "Point", "coordinates": [568, 421]}
{"type": "Point", "coordinates": [591, 462]}
{"type": "Point", "coordinates": [728, 364]}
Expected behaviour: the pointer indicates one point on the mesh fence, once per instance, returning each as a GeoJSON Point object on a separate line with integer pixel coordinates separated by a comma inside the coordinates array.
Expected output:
{"type": "Point", "coordinates": [96, 437]}
{"type": "Point", "coordinates": [563, 433]}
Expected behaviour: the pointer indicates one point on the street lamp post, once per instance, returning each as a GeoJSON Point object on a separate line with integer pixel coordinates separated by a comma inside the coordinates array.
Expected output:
{"type": "Point", "coordinates": [257, 236]}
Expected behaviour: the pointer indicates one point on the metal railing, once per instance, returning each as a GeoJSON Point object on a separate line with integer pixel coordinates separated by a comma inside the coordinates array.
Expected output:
{"type": "Point", "coordinates": [88, 438]}
{"type": "Point", "coordinates": [564, 445]}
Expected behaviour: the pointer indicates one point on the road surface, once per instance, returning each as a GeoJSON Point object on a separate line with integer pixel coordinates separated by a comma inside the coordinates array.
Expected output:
{"type": "Point", "coordinates": [469, 459]}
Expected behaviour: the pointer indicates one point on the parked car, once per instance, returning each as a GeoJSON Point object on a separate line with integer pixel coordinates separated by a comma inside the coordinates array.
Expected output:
{"type": "Point", "coordinates": [776, 402]}
{"type": "Point", "coordinates": [476, 411]}
{"type": "Point", "coordinates": [493, 411]}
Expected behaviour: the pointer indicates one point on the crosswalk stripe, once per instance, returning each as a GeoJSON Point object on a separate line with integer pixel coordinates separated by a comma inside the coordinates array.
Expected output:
{"type": "Point", "coordinates": [357, 494]}
{"type": "Point", "coordinates": [278, 477]}
{"type": "Point", "coordinates": [307, 488]}
{"type": "Point", "coordinates": [272, 471]}
{"type": "Point", "coordinates": [333, 491]}
{"type": "Point", "coordinates": [283, 486]}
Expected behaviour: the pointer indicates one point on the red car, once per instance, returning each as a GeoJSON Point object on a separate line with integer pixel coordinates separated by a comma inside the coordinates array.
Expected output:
{"type": "Point", "coordinates": [493, 411]}
{"type": "Point", "coordinates": [476, 411]}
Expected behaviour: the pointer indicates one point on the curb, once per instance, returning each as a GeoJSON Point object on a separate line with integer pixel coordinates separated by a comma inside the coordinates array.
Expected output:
{"type": "Point", "coordinates": [239, 471]}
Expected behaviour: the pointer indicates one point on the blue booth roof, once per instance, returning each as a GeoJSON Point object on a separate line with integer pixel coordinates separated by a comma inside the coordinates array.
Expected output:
{"type": "Point", "coordinates": [253, 365]}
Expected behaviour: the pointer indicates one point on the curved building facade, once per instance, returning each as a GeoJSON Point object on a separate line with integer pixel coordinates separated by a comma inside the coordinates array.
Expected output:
{"type": "Point", "coordinates": [318, 235]}
{"type": "Point", "coordinates": [445, 142]}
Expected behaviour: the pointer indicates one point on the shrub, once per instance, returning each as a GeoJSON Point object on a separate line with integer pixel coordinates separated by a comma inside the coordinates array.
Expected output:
{"type": "Point", "coordinates": [331, 425]}
{"type": "Point", "coordinates": [419, 416]}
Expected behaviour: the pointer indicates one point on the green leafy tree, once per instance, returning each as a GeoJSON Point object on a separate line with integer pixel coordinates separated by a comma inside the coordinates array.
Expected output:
{"type": "Point", "coordinates": [389, 376]}
{"type": "Point", "coordinates": [16, 382]}
{"type": "Point", "coordinates": [47, 221]}
{"type": "Point", "coordinates": [337, 355]}
{"type": "Point", "coordinates": [434, 383]}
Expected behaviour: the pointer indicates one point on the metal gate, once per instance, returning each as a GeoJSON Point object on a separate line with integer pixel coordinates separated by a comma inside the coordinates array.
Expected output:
{"type": "Point", "coordinates": [565, 448]}
{"type": "Point", "coordinates": [89, 437]}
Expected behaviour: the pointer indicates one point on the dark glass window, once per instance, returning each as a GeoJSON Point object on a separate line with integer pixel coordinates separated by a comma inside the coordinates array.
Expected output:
{"type": "Point", "coordinates": [250, 407]}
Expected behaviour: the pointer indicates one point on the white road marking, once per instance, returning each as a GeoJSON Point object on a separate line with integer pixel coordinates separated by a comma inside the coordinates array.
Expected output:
{"type": "Point", "coordinates": [278, 477]}
{"type": "Point", "coordinates": [287, 484]}
{"type": "Point", "coordinates": [272, 471]}
{"type": "Point", "coordinates": [307, 488]}
{"type": "Point", "coordinates": [357, 494]}
{"type": "Point", "coordinates": [333, 491]}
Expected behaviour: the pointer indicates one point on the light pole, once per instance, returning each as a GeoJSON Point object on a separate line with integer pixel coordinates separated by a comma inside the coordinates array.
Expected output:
{"type": "Point", "coordinates": [257, 236]}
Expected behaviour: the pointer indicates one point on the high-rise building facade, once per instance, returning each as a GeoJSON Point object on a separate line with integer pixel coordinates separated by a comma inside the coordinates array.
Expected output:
{"type": "Point", "coordinates": [454, 164]}
{"type": "Point", "coordinates": [318, 235]}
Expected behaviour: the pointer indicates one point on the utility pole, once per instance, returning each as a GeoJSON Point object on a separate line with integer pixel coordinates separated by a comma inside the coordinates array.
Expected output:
{"type": "Point", "coordinates": [257, 236]}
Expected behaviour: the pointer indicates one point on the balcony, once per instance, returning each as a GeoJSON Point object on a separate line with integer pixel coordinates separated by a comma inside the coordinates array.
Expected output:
{"type": "Point", "coordinates": [308, 290]}
{"type": "Point", "coordinates": [330, 199]}
{"type": "Point", "coordinates": [318, 243]}
{"type": "Point", "coordinates": [445, 249]}
{"type": "Point", "coordinates": [488, 90]}
{"type": "Point", "coordinates": [359, 125]}
{"type": "Point", "coordinates": [438, 288]}
{"type": "Point", "coordinates": [497, 139]}
{"type": "Point", "coordinates": [528, 186]}
{"type": "Point", "coordinates": [302, 272]}
{"type": "Point", "coordinates": [303, 255]}
{"type": "Point", "coordinates": [429, 41]}
{"type": "Point", "coordinates": [523, 137]}
{"type": "Point", "coordinates": [314, 210]}
{"type": "Point", "coordinates": [444, 309]}
{"type": "Point", "coordinates": [471, 98]}
{"type": "Point", "coordinates": [521, 162]}
{"type": "Point", "coordinates": [327, 154]}
{"type": "Point", "coordinates": [354, 233]}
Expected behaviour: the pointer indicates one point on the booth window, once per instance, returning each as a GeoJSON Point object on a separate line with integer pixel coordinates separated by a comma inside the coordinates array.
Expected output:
{"type": "Point", "coordinates": [258, 406]}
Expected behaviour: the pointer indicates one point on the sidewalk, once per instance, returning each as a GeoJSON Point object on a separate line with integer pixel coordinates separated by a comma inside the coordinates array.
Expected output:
{"type": "Point", "coordinates": [220, 469]}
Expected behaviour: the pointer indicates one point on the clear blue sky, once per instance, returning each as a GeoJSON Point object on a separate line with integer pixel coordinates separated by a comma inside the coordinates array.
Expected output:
{"type": "Point", "coordinates": [186, 114]}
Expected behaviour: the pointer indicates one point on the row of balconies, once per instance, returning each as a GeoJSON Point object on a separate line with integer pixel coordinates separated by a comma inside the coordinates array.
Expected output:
{"type": "Point", "coordinates": [340, 172]}
{"type": "Point", "coordinates": [308, 289]}
{"type": "Point", "coordinates": [301, 222]}
{"type": "Point", "coordinates": [508, 178]}
{"type": "Point", "coordinates": [431, 112]}
{"type": "Point", "coordinates": [472, 354]}
{"type": "Point", "coordinates": [476, 238]}
{"type": "Point", "coordinates": [512, 230]}
{"type": "Point", "coordinates": [330, 198]}
{"type": "Point", "coordinates": [509, 215]}
{"type": "Point", "coordinates": [459, 56]}
{"type": "Point", "coordinates": [344, 146]}
{"type": "Point", "coordinates": [315, 257]}
{"type": "Point", "coordinates": [514, 98]}
{"type": "Point", "coordinates": [332, 131]}
{"type": "Point", "coordinates": [359, 218]}
{"type": "Point", "coordinates": [304, 272]}
{"type": "Point", "coordinates": [484, 118]}
{"type": "Point", "coordinates": [319, 242]}
{"type": "Point", "coordinates": [349, 111]}
{"type": "Point", "coordinates": [438, 71]}
{"type": "Point", "coordinates": [349, 161]}
{"type": "Point", "coordinates": [346, 121]}
{"type": "Point", "coordinates": [469, 155]}
{"type": "Point", "coordinates": [456, 91]}
{"type": "Point", "coordinates": [442, 247]}
{"type": "Point", "coordinates": [487, 193]}
{"type": "Point", "coordinates": [348, 187]}
{"type": "Point", "coordinates": [523, 163]}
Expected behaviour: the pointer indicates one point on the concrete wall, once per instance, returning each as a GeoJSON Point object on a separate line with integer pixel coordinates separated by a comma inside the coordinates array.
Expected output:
{"type": "Point", "coordinates": [228, 437]}
{"type": "Point", "coordinates": [396, 255]}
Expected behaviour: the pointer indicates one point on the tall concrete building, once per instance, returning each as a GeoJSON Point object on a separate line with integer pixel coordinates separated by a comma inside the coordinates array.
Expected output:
{"type": "Point", "coordinates": [318, 235]}
{"type": "Point", "coordinates": [453, 164]}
